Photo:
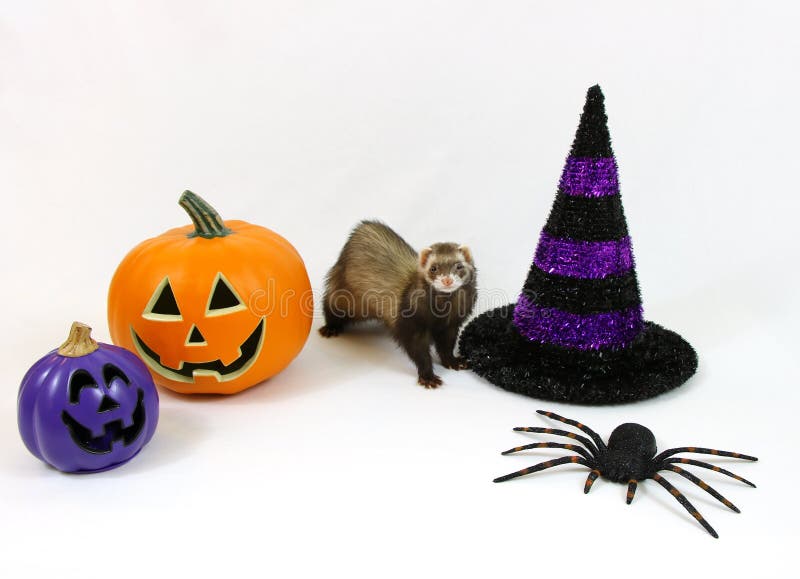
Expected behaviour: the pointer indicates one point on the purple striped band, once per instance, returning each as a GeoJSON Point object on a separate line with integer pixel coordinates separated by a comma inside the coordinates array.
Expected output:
{"type": "Point", "coordinates": [588, 177]}
{"type": "Point", "coordinates": [615, 329]}
{"type": "Point", "coordinates": [583, 259]}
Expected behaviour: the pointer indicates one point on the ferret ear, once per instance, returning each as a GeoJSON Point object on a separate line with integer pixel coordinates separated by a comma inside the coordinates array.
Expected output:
{"type": "Point", "coordinates": [424, 255]}
{"type": "Point", "coordinates": [467, 253]}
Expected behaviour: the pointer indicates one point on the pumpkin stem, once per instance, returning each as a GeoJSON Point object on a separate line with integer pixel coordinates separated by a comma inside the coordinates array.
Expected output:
{"type": "Point", "coordinates": [79, 342]}
{"type": "Point", "coordinates": [207, 222]}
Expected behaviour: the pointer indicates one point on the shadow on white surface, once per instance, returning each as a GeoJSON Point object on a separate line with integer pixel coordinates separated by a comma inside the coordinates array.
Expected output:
{"type": "Point", "coordinates": [179, 433]}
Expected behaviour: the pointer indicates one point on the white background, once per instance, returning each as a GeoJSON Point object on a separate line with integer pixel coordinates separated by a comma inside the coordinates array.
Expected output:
{"type": "Point", "coordinates": [450, 121]}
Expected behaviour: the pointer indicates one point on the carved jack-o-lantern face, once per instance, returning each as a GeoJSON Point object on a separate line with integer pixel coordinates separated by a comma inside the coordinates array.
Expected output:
{"type": "Point", "coordinates": [103, 413]}
{"type": "Point", "coordinates": [200, 357]}
{"type": "Point", "coordinates": [212, 308]}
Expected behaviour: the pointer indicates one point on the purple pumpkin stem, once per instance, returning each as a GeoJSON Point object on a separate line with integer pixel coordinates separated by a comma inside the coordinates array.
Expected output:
{"type": "Point", "coordinates": [207, 222]}
{"type": "Point", "coordinates": [79, 342]}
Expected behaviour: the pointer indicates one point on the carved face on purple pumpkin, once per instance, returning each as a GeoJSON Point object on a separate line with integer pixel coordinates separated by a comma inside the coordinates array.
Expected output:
{"type": "Point", "coordinates": [89, 412]}
{"type": "Point", "coordinates": [104, 411]}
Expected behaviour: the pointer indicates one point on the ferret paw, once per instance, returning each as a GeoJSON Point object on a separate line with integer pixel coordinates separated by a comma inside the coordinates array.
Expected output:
{"type": "Point", "coordinates": [430, 383]}
{"type": "Point", "coordinates": [329, 331]}
{"type": "Point", "coordinates": [455, 364]}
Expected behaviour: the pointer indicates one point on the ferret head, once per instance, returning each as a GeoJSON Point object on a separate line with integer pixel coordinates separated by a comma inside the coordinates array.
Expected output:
{"type": "Point", "coordinates": [447, 266]}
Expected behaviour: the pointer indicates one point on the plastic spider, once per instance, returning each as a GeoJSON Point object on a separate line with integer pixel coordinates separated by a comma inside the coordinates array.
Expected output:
{"type": "Point", "coordinates": [629, 457]}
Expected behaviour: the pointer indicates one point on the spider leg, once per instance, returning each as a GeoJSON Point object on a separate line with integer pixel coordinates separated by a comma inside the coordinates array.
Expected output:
{"type": "Point", "coordinates": [590, 480]}
{"type": "Point", "coordinates": [703, 486]}
{"type": "Point", "coordinates": [556, 432]}
{"type": "Point", "coordinates": [709, 466]}
{"type": "Point", "coordinates": [685, 504]}
{"type": "Point", "coordinates": [631, 490]}
{"type": "Point", "coordinates": [542, 466]}
{"type": "Point", "coordinates": [698, 450]}
{"type": "Point", "coordinates": [582, 451]}
{"type": "Point", "coordinates": [594, 436]}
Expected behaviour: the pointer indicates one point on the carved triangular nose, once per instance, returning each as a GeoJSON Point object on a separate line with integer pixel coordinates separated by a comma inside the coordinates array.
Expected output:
{"type": "Point", "coordinates": [195, 337]}
{"type": "Point", "coordinates": [107, 403]}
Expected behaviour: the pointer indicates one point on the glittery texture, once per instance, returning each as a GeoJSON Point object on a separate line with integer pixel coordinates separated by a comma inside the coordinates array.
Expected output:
{"type": "Point", "coordinates": [615, 329]}
{"type": "Point", "coordinates": [592, 138]}
{"type": "Point", "coordinates": [583, 259]}
{"type": "Point", "coordinates": [587, 218]}
{"type": "Point", "coordinates": [588, 177]}
{"type": "Point", "coordinates": [583, 296]}
{"type": "Point", "coordinates": [657, 361]}
{"type": "Point", "coordinates": [577, 334]}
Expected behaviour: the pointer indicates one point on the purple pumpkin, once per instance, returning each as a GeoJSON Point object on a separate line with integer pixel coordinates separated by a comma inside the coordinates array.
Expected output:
{"type": "Point", "coordinates": [87, 407]}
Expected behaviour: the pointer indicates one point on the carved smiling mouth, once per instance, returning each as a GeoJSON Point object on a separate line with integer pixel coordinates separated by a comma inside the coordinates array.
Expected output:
{"type": "Point", "coordinates": [188, 370]}
{"type": "Point", "coordinates": [113, 431]}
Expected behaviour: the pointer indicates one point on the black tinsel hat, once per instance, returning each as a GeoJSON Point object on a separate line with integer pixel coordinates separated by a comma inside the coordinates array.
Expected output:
{"type": "Point", "coordinates": [576, 333]}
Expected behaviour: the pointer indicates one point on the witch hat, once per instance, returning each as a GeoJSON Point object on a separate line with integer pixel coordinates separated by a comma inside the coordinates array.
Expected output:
{"type": "Point", "coordinates": [576, 333]}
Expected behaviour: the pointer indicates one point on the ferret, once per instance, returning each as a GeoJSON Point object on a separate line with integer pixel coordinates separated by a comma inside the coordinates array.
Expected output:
{"type": "Point", "coordinates": [422, 298]}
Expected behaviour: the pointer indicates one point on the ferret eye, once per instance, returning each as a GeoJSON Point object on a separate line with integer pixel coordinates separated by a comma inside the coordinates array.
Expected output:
{"type": "Point", "coordinates": [434, 269]}
{"type": "Point", "coordinates": [459, 266]}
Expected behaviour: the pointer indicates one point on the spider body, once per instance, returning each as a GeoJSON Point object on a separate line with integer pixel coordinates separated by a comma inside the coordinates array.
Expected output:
{"type": "Point", "coordinates": [629, 454]}
{"type": "Point", "coordinates": [628, 458]}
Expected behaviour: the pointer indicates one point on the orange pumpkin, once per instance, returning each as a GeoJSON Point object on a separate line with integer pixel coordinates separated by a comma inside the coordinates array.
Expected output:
{"type": "Point", "coordinates": [213, 307]}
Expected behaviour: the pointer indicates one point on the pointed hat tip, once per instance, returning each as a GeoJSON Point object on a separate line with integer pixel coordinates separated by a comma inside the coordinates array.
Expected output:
{"type": "Point", "coordinates": [592, 138]}
{"type": "Point", "coordinates": [595, 100]}
{"type": "Point", "coordinates": [594, 92]}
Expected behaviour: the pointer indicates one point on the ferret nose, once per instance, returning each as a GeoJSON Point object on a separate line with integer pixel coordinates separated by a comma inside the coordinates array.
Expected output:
{"type": "Point", "coordinates": [447, 281]}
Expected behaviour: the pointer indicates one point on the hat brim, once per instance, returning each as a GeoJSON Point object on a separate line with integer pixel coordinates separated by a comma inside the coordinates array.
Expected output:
{"type": "Point", "coordinates": [656, 362]}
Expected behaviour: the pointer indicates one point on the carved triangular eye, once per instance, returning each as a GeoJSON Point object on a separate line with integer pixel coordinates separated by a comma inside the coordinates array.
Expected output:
{"type": "Point", "coordinates": [163, 305]}
{"type": "Point", "coordinates": [223, 299]}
